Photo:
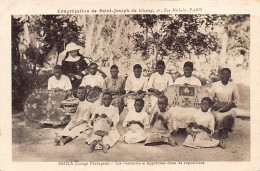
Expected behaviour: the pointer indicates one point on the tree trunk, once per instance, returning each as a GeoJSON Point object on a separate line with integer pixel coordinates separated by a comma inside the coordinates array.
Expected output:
{"type": "Point", "coordinates": [222, 57]}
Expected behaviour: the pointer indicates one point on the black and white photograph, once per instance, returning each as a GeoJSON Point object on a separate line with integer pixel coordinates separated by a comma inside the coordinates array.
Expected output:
{"type": "Point", "coordinates": [135, 87]}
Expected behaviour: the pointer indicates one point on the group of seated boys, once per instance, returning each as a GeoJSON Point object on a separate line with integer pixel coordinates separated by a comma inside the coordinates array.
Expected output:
{"type": "Point", "coordinates": [143, 124]}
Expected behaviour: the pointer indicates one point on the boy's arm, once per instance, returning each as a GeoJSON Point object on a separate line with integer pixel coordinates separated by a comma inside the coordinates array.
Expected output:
{"type": "Point", "coordinates": [84, 115]}
{"type": "Point", "coordinates": [122, 88]}
{"type": "Point", "coordinates": [128, 84]}
{"type": "Point", "coordinates": [77, 124]}
{"type": "Point", "coordinates": [115, 117]}
{"type": "Point", "coordinates": [93, 113]}
{"type": "Point", "coordinates": [83, 82]}
{"type": "Point", "coordinates": [101, 84]}
{"type": "Point", "coordinates": [105, 88]}
{"type": "Point", "coordinates": [126, 120]}
{"type": "Point", "coordinates": [145, 86]}
{"type": "Point", "coordinates": [174, 122]}
{"type": "Point", "coordinates": [49, 84]}
{"type": "Point", "coordinates": [150, 84]}
{"type": "Point", "coordinates": [146, 122]}
{"type": "Point", "coordinates": [102, 73]}
{"type": "Point", "coordinates": [212, 93]}
{"type": "Point", "coordinates": [235, 96]}
{"type": "Point", "coordinates": [212, 124]}
{"type": "Point", "coordinates": [170, 81]}
{"type": "Point", "coordinates": [204, 129]}
{"type": "Point", "coordinates": [154, 118]}
{"type": "Point", "coordinates": [68, 85]}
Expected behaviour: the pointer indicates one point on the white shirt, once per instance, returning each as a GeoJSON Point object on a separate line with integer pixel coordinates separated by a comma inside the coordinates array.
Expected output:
{"type": "Point", "coordinates": [83, 111]}
{"type": "Point", "coordinates": [142, 117]}
{"type": "Point", "coordinates": [181, 116]}
{"type": "Point", "coordinates": [205, 119]}
{"type": "Point", "coordinates": [160, 82]}
{"type": "Point", "coordinates": [224, 93]}
{"type": "Point", "coordinates": [63, 83]}
{"type": "Point", "coordinates": [111, 112]}
{"type": "Point", "coordinates": [188, 80]}
{"type": "Point", "coordinates": [92, 80]}
{"type": "Point", "coordinates": [135, 84]}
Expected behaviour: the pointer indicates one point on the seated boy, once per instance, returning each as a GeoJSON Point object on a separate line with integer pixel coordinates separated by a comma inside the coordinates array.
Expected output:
{"type": "Point", "coordinates": [161, 125]}
{"type": "Point", "coordinates": [78, 122]}
{"type": "Point", "coordinates": [137, 84]}
{"type": "Point", "coordinates": [115, 85]}
{"type": "Point", "coordinates": [158, 82]}
{"type": "Point", "coordinates": [59, 81]}
{"type": "Point", "coordinates": [182, 115]}
{"type": "Point", "coordinates": [93, 81]}
{"type": "Point", "coordinates": [225, 96]}
{"type": "Point", "coordinates": [188, 78]}
{"type": "Point", "coordinates": [112, 114]}
{"type": "Point", "coordinates": [201, 127]}
{"type": "Point", "coordinates": [136, 122]}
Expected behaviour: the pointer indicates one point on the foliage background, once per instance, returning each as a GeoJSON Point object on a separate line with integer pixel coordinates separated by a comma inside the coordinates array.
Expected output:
{"type": "Point", "coordinates": [210, 41]}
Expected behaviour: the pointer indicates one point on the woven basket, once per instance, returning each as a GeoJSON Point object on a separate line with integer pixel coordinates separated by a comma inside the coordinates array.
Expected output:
{"type": "Point", "coordinates": [101, 126]}
{"type": "Point", "coordinates": [70, 105]}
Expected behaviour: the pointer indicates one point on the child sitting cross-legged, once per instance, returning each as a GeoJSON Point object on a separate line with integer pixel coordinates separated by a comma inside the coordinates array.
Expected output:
{"type": "Point", "coordinates": [136, 122]}
{"type": "Point", "coordinates": [161, 125]}
{"type": "Point", "coordinates": [201, 127]}
{"type": "Point", "coordinates": [111, 115]}
{"type": "Point", "coordinates": [78, 122]}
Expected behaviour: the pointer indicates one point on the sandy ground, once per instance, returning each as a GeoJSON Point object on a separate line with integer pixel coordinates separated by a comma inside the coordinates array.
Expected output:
{"type": "Point", "coordinates": [32, 144]}
{"type": "Point", "coordinates": [36, 145]}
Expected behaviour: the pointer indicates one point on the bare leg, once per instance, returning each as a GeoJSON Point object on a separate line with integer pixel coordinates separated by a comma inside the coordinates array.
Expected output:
{"type": "Point", "coordinates": [57, 140]}
{"type": "Point", "coordinates": [223, 133]}
{"type": "Point", "coordinates": [172, 142]}
{"type": "Point", "coordinates": [221, 145]}
{"type": "Point", "coordinates": [92, 146]}
{"type": "Point", "coordinates": [65, 140]}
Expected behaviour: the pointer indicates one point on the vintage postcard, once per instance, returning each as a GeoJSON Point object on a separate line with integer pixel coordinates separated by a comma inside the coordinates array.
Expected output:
{"type": "Point", "coordinates": [130, 85]}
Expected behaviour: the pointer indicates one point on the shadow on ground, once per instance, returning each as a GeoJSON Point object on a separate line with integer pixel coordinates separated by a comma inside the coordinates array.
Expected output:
{"type": "Point", "coordinates": [36, 145]}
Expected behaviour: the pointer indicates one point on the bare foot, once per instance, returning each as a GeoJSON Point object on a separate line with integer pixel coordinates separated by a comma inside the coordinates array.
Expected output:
{"type": "Point", "coordinates": [62, 142]}
{"type": "Point", "coordinates": [223, 135]}
{"type": "Point", "coordinates": [65, 140]}
{"type": "Point", "coordinates": [56, 142]}
{"type": "Point", "coordinates": [172, 142]}
{"type": "Point", "coordinates": [105, 147]}
{"type": "Point", "coordinates": [91, 147]}
{"type": "Point", "coordinates": [222, 145]}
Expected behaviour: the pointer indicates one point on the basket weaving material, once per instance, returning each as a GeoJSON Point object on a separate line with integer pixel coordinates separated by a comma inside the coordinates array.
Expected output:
{"type": "Point", "coordinates": [135, 96]}
{"type": "Point", "coordinates": [44, 106]}
{"type": "Point", "coordinates": [220, 105]}
{"type": "Point", "coordinates": [93, 95]}
{"type": "Point", "coordinates": [101, 126]}
{"type": "Point", "coordinates": [70, 105]}
{"type": "Point", "coordinates": [185, 96]}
